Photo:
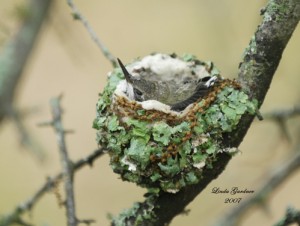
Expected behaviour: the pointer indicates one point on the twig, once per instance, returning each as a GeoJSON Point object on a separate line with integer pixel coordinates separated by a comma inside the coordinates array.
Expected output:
{"type": "Point", "coordinates": [65, 160]}
{"type": "Point", "coordinates": [291, 216]}
{"type": "Point", "coordinates": [14, 54]}
{"type": "Point", "coordinates": [283, 114]}
{"type": "Point", "coordinates": [280, 117]}
{"type": "Point", "coordinates": [48, 186]}
{"type": "Point", "coordinates": [255, 74]}
{"type": "Point", "coordinates": [78, 16]}
{"type": "Point", "coordinates": [277, 176]}
{"type": "Point", "coordinates": [26, 139]}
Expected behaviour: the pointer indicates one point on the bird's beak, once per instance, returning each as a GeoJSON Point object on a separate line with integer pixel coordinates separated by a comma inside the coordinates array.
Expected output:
{"type": "Point", "coordinates": [128, 76]}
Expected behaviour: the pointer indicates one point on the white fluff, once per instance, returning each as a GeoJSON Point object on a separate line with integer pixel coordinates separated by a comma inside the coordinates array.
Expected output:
{"type": "Point", "coordinates": [163, 65]}
{"type": "Point", "coordinates": [131, 166]}
{"type": "Point", "coordinates": [199, 165]}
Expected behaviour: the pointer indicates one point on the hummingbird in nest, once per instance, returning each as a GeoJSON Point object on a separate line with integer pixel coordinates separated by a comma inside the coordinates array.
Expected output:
{"type": "Point", "coordinates": [176, 94]}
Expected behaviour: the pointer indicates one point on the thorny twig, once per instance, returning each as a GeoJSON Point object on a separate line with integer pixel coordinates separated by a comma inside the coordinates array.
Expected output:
{"type": "Point", "coordinates": [65, 160]}
{"type": "Point", "coordinates": [47, 186]}
{"type": "Point", "coordinates": [78, 16]}
{"type": "Point", "coordinates": [68, 168]}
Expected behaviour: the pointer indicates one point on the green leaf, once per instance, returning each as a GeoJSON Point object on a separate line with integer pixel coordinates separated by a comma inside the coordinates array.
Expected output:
{"type": "Point", "coordinates": [139, 129]}
{"type": "Point", "coordinates": [113, 123]}
{"type": "Point", "coordinates": [171, 168]}
{"type": "Point", "coordinates": [226, 126]}
{"type": "Point", "coordinates": [222, 96]}
{"type": "Point", "coordinates": [138, 132]}
{"type": "Point", "coordinates": [183, 162]}
{"type": "Point", "coordinates": [198, 130]}
{"type": "Point", "coordinates": [138, 124]}
{"type": "Point", "coordinates": [155, 177]}
{"type": "Point", "coordinates": [188, 57]}
{"type": "Point", "coordinates": [95, 125]}
{"type": "Point", "coordinates": [123, 136]}
{"type": "Point", "coordinates": [243, 97]}
{"type": "Point", "coordinates": [241, 109]}
{"type": "Point", "coordinates": [183, 127]}
{"type": "Point", "coordinates": [233, 97]}
{"type": "Point", "coordinates": [137, 152]}
{"type": "Point", "coordinates": [161, 132]}
{"type": "Point", "coordinates": [103, 102]}
{"type": "Point", "coordinates": [212, 149]}
{"type": "Point", "coordinates": [191, 178]}
{"type": "Point", "coordinates": [141, 112]}
{"type": "Point", "coordinates": [199, 157]}
{"type": "Point", "coordinates": [100, 121]}
{"type": "Point", "coordinates": [186, 147]}
{"type": "Point", "coordinates": [252, 106]}
{"type": "Point", "coordinates": [113, 144]}
{"type": "Point", "coordinates": [228, 111]}
{"type": "Point", "coordinates": [113, 80]}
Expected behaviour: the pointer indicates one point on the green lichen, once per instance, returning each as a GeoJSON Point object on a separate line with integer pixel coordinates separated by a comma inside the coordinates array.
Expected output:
{"type": "Point", "coordinates": [278, 10]}
{"type": "Point", "coordinates": [134, 213]}
{"type": "Point", "coordinates": [163, 155]}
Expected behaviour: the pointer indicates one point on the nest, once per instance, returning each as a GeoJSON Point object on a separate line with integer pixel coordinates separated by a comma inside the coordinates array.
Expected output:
{"type": "Point", "coordinates": [156, 147]}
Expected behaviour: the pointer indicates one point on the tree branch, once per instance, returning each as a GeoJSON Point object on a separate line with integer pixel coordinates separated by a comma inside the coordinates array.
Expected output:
{"type": "Point", "coordinates": [14, 55]}
{"type": "Point", "coordinates": [15, 215]}
{"type": "Point", "coordinates": [78, 16]}
{"type": "Point", "coordinates": [283, 114]}
{"type": "Point", "coordinates": [26, 139]}
{"type": "Point", "coordinates": [65, 160]}
{"type": "Point", "coordinates": [261, 58]}
{"type": "Point", "coordinates": [280, 117]}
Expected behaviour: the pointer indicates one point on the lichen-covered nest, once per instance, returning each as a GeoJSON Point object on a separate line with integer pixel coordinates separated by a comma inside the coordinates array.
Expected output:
{"type": "Point", "coordinates": [157, 147]}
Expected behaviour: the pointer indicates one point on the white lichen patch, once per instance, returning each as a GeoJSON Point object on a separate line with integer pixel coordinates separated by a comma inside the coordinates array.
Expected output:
{"type": "Point", "coordinates": [131, 167]}
{"type": "Point", "coordinates": [199, 165]}
{"type": "Point", "coordinates": [231, 150]}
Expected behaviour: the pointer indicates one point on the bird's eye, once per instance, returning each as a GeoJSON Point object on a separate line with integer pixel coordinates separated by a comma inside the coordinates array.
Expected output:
{"type": "Point", "coordinates": [138, 95]}
{"type": "Point", "coordinates": [205, 79]}
{"type": "Point", "coordinates": [138, 92]}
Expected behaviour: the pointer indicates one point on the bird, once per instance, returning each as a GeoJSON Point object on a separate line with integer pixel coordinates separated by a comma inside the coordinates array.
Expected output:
{"type": "Point", "coordinates": [167, 92]}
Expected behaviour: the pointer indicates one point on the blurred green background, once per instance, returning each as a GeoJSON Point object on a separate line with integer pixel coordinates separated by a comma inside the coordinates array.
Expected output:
{"type": "Point", "coordinates": [65, 60]}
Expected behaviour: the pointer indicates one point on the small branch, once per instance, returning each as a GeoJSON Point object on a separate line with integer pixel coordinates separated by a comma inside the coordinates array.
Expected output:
{"type": "Point", "coordinates": [26, 139]}
{"type": "Point", "coordinates": [14, 54]}
{"type": "Point", "coordinates": [46, 187]}
{"type": "Point", "coordinates": [283, 114]}
{"type": "Point", "coordinates": [78, 16]}
{"type": "Point", "coordinates": [65, 161]}
{"type": "Point", "coordinates": [262, 57]}
{"type": "Point", "coordinates": [291, 216]}
{"type": "Point", "coordinates": [278, 175]}
{"type": "Point", "coordinates": [280, 117]}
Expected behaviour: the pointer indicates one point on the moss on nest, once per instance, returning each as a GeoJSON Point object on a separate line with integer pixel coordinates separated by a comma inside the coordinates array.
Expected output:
{"type": "Point", "coordinates": [168, 150]}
